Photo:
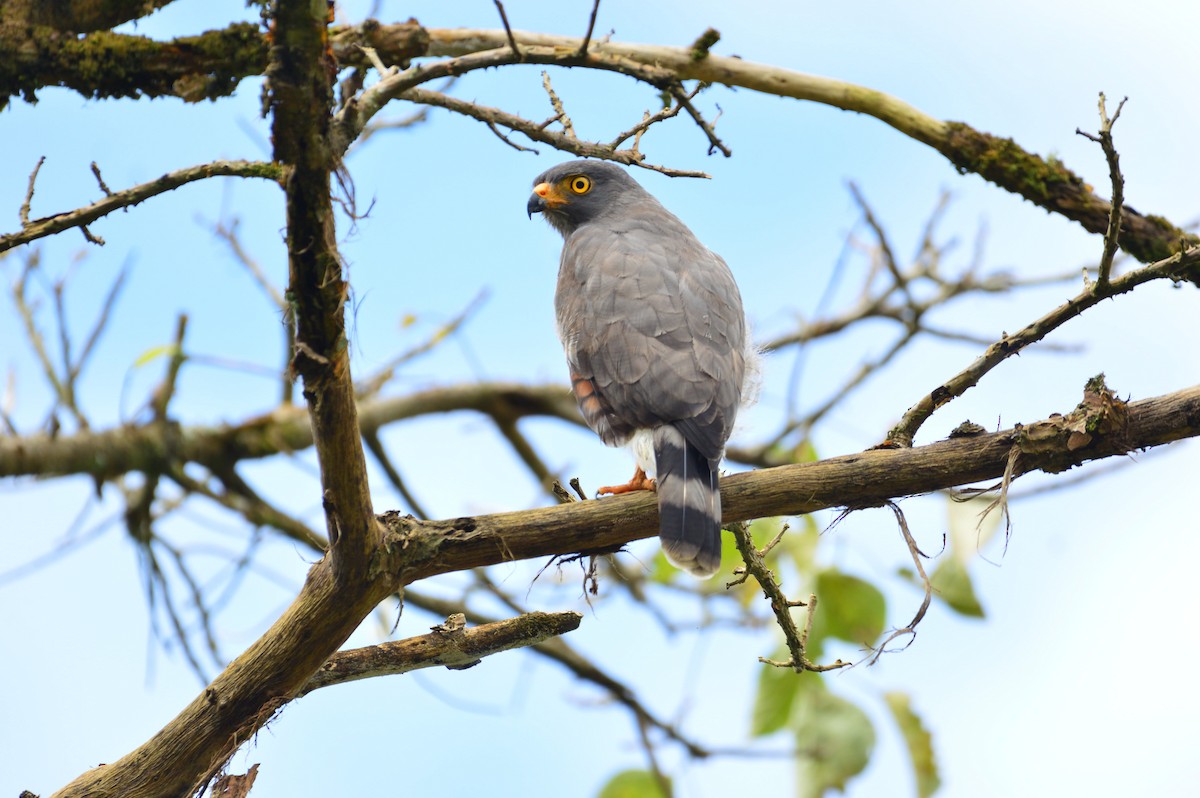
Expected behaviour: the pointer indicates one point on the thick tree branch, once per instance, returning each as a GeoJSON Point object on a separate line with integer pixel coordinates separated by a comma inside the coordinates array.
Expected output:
{"type": "Point", "coordinates": [857, 480]}
{"type": "Point", "coordinates": [79, 16]}
{"type": "Point", "coordinates": [301, 77]}
{"type": "Point", "coordinates": [202, 67]}
{"type": "Point", "coordinates": [153, 446]}
{"type": "Point", "coordinates": [108, 65]}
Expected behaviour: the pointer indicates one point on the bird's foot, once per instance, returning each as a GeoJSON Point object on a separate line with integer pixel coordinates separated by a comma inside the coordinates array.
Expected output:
{"type": "Point", "coordinates": [639, 481]}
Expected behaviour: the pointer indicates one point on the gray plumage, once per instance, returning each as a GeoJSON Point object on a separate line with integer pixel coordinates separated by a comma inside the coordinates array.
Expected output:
{"type": "Point", "coordinates": [655, 337]}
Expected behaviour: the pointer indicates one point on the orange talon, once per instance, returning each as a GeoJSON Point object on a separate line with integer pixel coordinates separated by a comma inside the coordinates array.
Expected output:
{"type": "Point", "coordinates": [639, 481]}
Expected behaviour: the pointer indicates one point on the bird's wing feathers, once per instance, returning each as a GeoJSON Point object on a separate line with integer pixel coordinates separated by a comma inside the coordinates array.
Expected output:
{"type": "Point", "coordinates": [654, 321]}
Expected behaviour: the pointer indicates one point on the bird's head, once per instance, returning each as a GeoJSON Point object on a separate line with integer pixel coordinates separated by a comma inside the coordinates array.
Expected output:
{"type": "Point", "coordinates": [577, 192]}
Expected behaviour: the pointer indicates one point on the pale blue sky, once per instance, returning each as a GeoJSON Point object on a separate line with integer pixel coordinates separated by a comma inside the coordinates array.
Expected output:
{"type": "Point", "coordinates": [1078, 683]}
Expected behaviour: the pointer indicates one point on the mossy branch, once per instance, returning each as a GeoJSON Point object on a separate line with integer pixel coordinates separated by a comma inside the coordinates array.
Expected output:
{"type": "Point", "coordinates": [211, 64]}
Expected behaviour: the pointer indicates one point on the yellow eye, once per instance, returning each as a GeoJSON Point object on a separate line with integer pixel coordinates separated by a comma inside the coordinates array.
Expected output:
{"type": "Point", "coordinates": [580, 184]}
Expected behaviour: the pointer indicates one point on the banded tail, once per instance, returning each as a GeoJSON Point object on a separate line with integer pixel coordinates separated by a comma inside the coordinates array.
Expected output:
{"type": "Point", "coordinates": [689, 503]}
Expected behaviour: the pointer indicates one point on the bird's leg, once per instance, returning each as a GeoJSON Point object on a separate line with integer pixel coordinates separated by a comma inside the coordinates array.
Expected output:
{"type": "Point", "coordinates": [639, 481]}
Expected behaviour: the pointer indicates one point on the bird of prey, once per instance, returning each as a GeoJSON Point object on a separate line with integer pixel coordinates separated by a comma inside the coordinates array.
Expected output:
{"type": "Point", "coordinates": [655, 337]}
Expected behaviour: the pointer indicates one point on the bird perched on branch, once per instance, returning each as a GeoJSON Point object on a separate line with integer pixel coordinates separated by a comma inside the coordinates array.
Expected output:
{"type": "Point", "coordinates": [652, 325]}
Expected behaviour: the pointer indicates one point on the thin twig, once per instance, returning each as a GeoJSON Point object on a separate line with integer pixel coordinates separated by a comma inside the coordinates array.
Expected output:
{"type": "Point", "coordinates": [587, 37]}
{"type": "Point", "coordinates": [512, 40]}
{"type": "Point", "coordinates": [229, 234]}
{"type": "Point", "coordinates": [560, 113]}
{"type": "Point", "coordinates": [1180, 266]}
{"type": "Point", "coordinates": [242, 499]}
{"type": "Point", "coordinates": [885, 247]}
{"type": "Point", "coordinates": [1112, 234]}
{"type": "Point", "coordinates": [23, 214]}
{"type": "Point", "coordinates": [518, 147]}
{"type": "Point", "coordinates": [103, 186]}
{"type": "Point", "coordinates": [781, 606]}
{"type": "Point", "coordinates": [538, 132]}
{"type": "Point", "coordinates": [102, 318]}
{"type": "Point", "coordinates": [373, 57]}
{"type": "Point", "coordinates": [714, 142]}
{"type": "Point", "coordinates": [80, 217]}
{"type": "Point", "coordinates": [647, 121]}
{"type": "Point", "coordinates": [34, 335]}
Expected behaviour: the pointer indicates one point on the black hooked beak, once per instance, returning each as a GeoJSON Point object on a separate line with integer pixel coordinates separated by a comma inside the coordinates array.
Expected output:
{"type": "Point", "coordinates": [535, 205]}
{"type": "Point", "coordinates": [537, 201]}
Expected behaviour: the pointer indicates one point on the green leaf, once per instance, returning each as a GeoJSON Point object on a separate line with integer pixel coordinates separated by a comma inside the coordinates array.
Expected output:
{"type": "Point", "coordinates": [152, 354]}
{"type": "Point", "coordinates": [632, 784]}
{"type": "Point", "coordinates": [777, 691]}
{"type": "Point", "coordinates": [850, 608]}
{"type": "Point", "coordinates": [835, 739]}
{"type": "Point", "coordinates": [919, 741]}
{"type": "Point", "coordinates": [952, 584]}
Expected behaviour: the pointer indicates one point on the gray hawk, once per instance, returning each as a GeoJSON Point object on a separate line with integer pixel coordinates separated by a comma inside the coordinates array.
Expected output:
{"type": "Point", "coordinates": [652, 325]}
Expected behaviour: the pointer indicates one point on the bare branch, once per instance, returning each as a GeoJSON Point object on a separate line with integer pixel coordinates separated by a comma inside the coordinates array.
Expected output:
{"type": "Point", "coordinates": [512, 42]}
{"type": "Point", "coordinates": [1045, 182]}
{"type": "Point", "coordinates": [889, 258]}
{"type": "Point", "coordinates": [87, 17]}
{"type": "Point", "coordinates": [685, 100]}
{"type": "Point", "coordinates": [450, 644]}
{"type": "Point", "coordinates": [518, 147]}
{"type": "Point", "coordinates": [646, 122]}
{"type": "Point", "coordinates": [560, 113]}
{"type": "Point", "coordinates": [166, 389]}
{"type": "Point", "coordinates": [327, 610]}
{"type": "Point", "coordinates": [1179, 267]}
{"type": "Point", "coordinates": [559, 651]}
{"type": "Point", "coordinates": [240, 498]}
{"type": "Point", "coordinates": [100, 180]}
{"type": "Point", "coordinates": [795, 639]}
{"type": "Point", "coordinates": [229, 234]}
{"type": "Point", "coordinates": [587, 37]}
{"type": "Point", "coordinates": [1112, 234]}
{"type": "Point", "coordinates": [49, 225]}
{"type": "Point", "coordinates": [284, 430]}
{"type": "Point", "coordinates": [38, 342]}
{"type": "Point", "coordinates": [860, 480]}
{"type": "Point", "coordinates": [102, 319]}
{"type": "Point", "coordinates": [537, 132]}
{"type": "Point", "coordinates": [23, 214]}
